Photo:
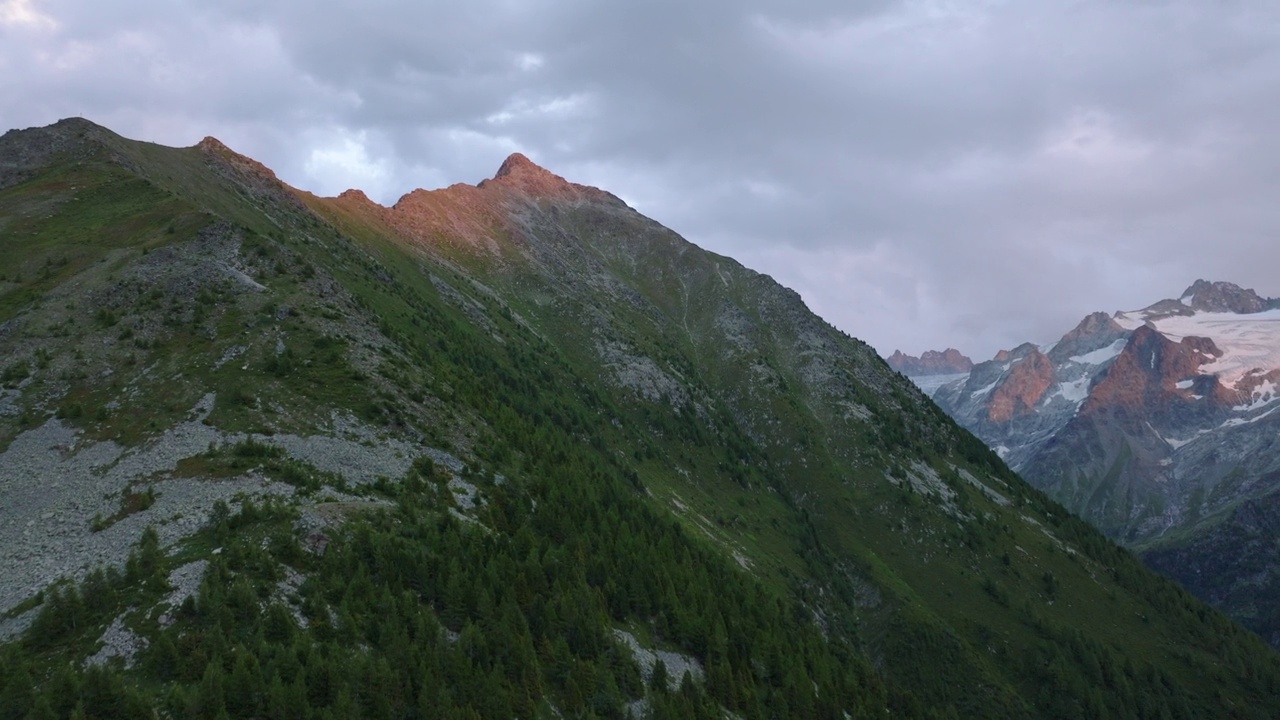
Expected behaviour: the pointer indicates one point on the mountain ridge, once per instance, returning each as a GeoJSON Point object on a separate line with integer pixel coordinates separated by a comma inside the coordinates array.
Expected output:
{"type": "Point", "coordinates": [930, 362]}
{"type": "Point", "coordinates": [569, 423]}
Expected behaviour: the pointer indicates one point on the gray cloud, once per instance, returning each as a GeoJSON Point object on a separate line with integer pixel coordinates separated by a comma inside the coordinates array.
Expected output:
{"type": "Point", "coordinates": [924, 172]}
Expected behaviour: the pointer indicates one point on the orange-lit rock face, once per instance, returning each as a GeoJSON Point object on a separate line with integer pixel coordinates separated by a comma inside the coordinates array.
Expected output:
{"type": "Point", "coordinates": [520, 174]}
{"type": "Point", "coordinates": [472, 214]}
{"type": "Point", "coordinates": [461, 212]}
{"type": "Point", "coordinates": [355, 196]}
{"type": "Point", "coordinates": [214, 147]}
{"type": "Point", "coordinates": [1146, 373]}
{"type": "Point", "coordinates": [1026, 384]}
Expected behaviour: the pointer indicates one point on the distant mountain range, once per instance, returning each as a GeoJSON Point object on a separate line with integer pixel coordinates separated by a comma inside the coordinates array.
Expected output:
{"type": "Point", "coordinates": [932, 362]}
{"type": "Point", "coordinates": [1159, 426]}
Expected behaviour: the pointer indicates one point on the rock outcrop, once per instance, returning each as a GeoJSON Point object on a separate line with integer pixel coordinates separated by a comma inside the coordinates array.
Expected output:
{"type": "Point", "coordinates": [932, 362]}
{"type": "Point", "coordinates": [1223, 297]}
{"type": "Point", "coordinates": [1026, 383]}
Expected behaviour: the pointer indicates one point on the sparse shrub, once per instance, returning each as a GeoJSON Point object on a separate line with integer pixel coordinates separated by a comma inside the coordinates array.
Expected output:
{"type": "Point", "coordinates": [14, 374]}
{"type": "Point", "coordinates": [106, 318]}
{"type": "Point", "coordinates": [995, 591]}
{"type": "Point", "coordinates": [132, 502]}
{"type": "Point", "coordinates": [425, 466]}
{"type": "Point", "coordinates": [373, 411]}
{"type": "Point", "coordinates": [70, 411]}
{"type": "Point", "coordinates": [1050, 584]}
{"type": "Point", "coordinates": [254, 450]}
{"type": "Point", "coordinates": [240, 396]}
{"type": "Point", "coordinates": [291, 474]}
{"type": "Point", "coordinates": [282, 364]}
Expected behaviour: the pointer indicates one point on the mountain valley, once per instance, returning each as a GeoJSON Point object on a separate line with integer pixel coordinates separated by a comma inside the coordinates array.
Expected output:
{"type": "Point", "coordinates": [1159, 427]}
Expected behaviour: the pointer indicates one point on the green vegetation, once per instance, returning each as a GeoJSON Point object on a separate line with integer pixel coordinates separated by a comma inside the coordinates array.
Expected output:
{"type": "Point", "coordinates": [412, 613]}
{"type": "Point", "coordinates": [681, 450]}
{"type": "Point", "coordinates": [267, 459]}
{"type": "Point", "coordinates": [132, 502]}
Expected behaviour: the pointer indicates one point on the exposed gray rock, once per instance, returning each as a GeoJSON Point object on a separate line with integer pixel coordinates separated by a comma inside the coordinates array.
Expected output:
{"type": "Point", "coordinates": [641, 374]}
{"type": "Point", "coordinates": [56, 483]}
{"type": "Point", "coordinates": [118, 642]}
{"type": "Point", "coordinates": [353, 451]}
{"type": "Point", "coordinates": [15, 626]}
{"type": "Point", "coordinates": [286, 591]}
{"type": "Point", "coordinates": [185, 581]}
{"type": "Point", "coordinates": [677, 664]}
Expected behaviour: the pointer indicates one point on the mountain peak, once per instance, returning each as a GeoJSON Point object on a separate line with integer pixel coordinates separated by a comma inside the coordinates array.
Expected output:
{"type": "Point", "coordinates": [1096, 331]}
{"type": "Point", "coordinates": [1222, 297]}
{"type": "Point", "coordinates": [77, 124]}
{"type": "Point", "coordinates": [212, 143]}
{"type": "Point", "coordinates": [519, 164]}
{"type": "Point", "coordinates": [355, 194]}
{"type": "Point", "coordinates": [520, 173]}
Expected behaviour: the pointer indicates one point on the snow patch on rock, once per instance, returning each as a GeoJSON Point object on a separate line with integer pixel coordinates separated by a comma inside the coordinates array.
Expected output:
{"type": "Point", "coordinates": [1101, 355]}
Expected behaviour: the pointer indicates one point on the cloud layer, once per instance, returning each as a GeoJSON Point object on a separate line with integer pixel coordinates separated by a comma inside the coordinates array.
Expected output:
{"type": "Point", "coordinates": [926, 173]}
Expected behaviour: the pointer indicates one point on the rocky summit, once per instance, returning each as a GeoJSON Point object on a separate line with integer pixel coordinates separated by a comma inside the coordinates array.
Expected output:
{"type": "Point", "coordinates": [513, 449]}
{"type": "Point", "coordinates": [931, 362]}
{"type": "Point", "coordinates": [1158, 426]}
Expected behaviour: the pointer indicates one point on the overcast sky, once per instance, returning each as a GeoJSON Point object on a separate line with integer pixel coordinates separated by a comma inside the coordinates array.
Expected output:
{"type": "Point", "coordinates": [926, 174]}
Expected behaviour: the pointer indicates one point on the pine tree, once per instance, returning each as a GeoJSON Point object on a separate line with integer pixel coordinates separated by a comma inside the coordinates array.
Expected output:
{"type": "Point", "coordinates": [211, 699]}
{"type": "Point", "coordinates": [41, 710]}
{"type": "Point", "coordinates": [243, 687]}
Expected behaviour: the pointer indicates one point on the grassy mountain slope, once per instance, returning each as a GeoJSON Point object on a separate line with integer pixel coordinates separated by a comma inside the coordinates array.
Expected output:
{"type": "Point", "coordinates": [604, 433]}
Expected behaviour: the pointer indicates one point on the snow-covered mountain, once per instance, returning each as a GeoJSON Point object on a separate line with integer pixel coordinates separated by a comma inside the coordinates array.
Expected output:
{"type": "Point", "coordinates": [1157, 425]}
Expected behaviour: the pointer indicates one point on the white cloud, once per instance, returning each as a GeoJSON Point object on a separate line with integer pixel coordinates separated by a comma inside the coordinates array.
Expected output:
{"type": "Point", "coordinates": [529, 62]}
{"type": "Point", "coordinates": [341, 160]}
{"type": "Point", "coordinates": [561, 108]}
{"type": "Point", "coordinates": [1089, 137]}
{"type": "Point", "coordinates": [23, 13]}
{"type": "Point", "coordinates": [925, 172]}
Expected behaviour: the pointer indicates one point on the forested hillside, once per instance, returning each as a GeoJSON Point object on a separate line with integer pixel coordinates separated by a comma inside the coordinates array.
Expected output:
{"type": "Point", "coordinates": [507, 450]}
